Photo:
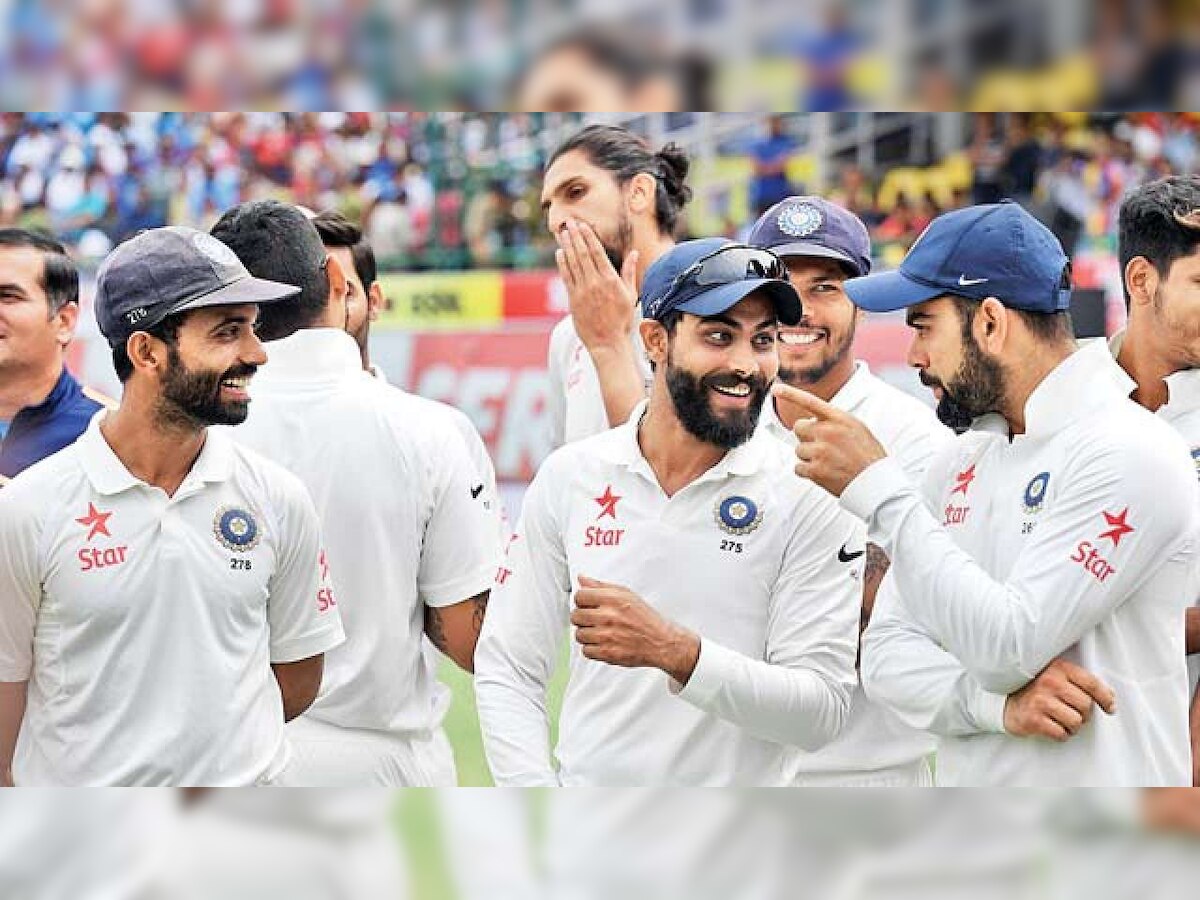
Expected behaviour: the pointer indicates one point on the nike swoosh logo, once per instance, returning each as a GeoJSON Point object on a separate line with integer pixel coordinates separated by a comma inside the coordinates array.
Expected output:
{"type": "Point", "coordinates": [967, 282]}
{"type": "Point", "coordinates": [843, 556]}
{"type": "Point", "coordinates": [476, 491]}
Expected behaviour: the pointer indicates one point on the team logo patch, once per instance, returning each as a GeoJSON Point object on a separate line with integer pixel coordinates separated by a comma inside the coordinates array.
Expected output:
{"type": "Point", "coordinates": [236, 529]}
{"type": "Point", "coordinates": [800, 219]}
{"type": "Point", "coordinates": [1196, 459]}
{"type": "Point", "coordinates": [1035, 492]}
{"type": "Point", "coordinates": [738, 515]}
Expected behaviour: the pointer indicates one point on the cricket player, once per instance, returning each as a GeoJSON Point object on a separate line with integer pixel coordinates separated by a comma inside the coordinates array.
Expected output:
{"type": "Point", "coordinates": [1063, 523]}
{"type": "Point", "coordinates": [823, 244]}
{"type": "Point", "coordinates": [407, 518]}
{"type": "Point", "coordinates": [1159, 251]}
{"type": "Point", "coordinates": [163, 600]}
{"type": "Point", "coordinates": [714, 602]}
{"type": "Point", "coordinates": [42, 407]}
{"type": "Point", "coordinates": [612, 205]}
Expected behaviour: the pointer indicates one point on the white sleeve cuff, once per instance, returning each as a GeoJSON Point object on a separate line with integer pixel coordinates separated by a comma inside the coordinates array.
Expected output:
{"type": "Point", "coordinates": [987, 709]}
{"type": "Point", "coordinates": [708, 677]}
{"type": "Point", "coordinates": [874, 485]}
{"type": "Point", "coordinates": [321, 640]}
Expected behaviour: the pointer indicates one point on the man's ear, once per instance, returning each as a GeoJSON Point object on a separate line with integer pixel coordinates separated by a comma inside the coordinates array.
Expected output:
{"type": "Point", "coordinates": [146, 353]}
{"type": "Point", "coordinates": [641, 194]}
{"type": "Point", "coordinates": [376, 302]}
{"type": "Point", "coordinates": [1141, 281]}
{"type": "Point", "coordinates": [64, 322]}
{"type": "Point", "coordinates": [338, 285]}
{"type": "Point", "coordinates": [991, 325]}
{"type": "Point", "coordinates": [656, 340]}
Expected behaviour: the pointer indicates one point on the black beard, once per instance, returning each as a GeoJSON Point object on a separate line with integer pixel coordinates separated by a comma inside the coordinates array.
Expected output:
{"type": "Point", "coordinates": [624, 243]}
{"type": "Point", "coordinates": [192, 399]}
{"type": "Point", "coordinates": [976, 389]}
{"type": "Point", "coordinates": [689, 395]}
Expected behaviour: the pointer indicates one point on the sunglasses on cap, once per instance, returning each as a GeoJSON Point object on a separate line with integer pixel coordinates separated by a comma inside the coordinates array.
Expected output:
{"type": "Point", "coordinates": [727, 265]}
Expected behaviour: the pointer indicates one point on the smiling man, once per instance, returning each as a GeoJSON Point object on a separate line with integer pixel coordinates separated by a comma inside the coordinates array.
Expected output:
{"type": "Point", "coordinates": [822, 245]}
{"type": "Point", "coordinates": [161, 589]}
{"type": "Point", "coordinates": [42, 408]}
{"type": "Point", "coordinates": [713, 599]}
{"type": "Point", "coordinates": [1064, 522]}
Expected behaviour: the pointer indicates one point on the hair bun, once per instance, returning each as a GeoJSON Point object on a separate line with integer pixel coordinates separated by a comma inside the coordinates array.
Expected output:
{"type": "Point", "coordinates": [675, 171]}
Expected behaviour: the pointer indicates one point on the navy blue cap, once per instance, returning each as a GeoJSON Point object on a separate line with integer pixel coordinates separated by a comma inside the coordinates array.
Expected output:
{"type": "Point", "coordinates": [661, 295]}
{"type": "Point", "coordinates": [992, 250]}
{"type": "Point", "coordinates": [812, 226]}
{"type": "Point", "coordinates": [168, 270]}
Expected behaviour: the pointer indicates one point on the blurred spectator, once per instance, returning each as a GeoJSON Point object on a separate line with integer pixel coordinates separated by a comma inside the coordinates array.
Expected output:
{"type": "Point", "coordinates": [770, 156]}
{"type": "Point", "coordinates": [986, 152]}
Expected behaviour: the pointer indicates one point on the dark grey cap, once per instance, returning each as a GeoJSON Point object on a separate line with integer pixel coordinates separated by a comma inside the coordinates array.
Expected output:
{"type": "Point", "coordinates": [168, 270]}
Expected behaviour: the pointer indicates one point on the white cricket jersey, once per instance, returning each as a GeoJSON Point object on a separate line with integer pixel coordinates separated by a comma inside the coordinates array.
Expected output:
{"type": "Point", "coordinates": [575, 403]}
{"type": "Point", "coordinates": [874, 738]}
{"type": "Point", "coordinates": [1182, 412]}
{"type": "Point", "coordinates": [408, 522]}
{"type": "Point", "coordinates": [146, 624]}
{"type": "Point", "coordinates": [1076, 539]}
{"type": "Point", "coordinates": [746, 556]}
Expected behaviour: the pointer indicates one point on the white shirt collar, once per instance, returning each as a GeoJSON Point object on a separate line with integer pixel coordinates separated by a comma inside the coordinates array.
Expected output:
{"type": "Point", "coordinates": [1087, 378]}
{"type": "Point", "coordinates": [378, 373]}
{"type": "Point", "coordinates": [109, 476]}
{"type": "Point", "coordinates": [312, 354]}
{"type": "Point", "coordinates": [620, 446]}
{"type": "Point", "coordinates": [1183, 387]}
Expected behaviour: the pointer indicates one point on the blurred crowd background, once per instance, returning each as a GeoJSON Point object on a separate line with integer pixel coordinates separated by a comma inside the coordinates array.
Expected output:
{"type": "Point", "coordinates": [710, 54]}
{"type": "Point", "coordinates": [457, 191]}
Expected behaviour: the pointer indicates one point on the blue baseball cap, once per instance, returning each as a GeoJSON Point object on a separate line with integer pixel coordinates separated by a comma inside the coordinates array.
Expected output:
{"type": "Point", "coordinates": [991, 250]}
{"type": "Point", "coordinates": [812, 226]}
{"type": "Point", "coordinates": [708, 276]}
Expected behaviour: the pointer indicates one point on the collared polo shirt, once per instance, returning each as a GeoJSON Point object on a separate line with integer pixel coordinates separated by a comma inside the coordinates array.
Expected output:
{"type": "Point", "coordinates": [146, 625]}
{"type": "Point", "coordinates": [1077, 538]}
{"type": "Point", "coordinates": [747, 556]}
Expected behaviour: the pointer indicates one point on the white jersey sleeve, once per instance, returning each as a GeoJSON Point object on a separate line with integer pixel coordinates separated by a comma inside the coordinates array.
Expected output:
{"type": "Point", "coordinates": [799, 693]}
{"type": "Point", "coordinates": [20, 581]}
{"type": "Point", "coordinates": [1004, 633]}
{"type": "Point", "coordinates": [905, 670]}
{"type": "Point", "coordinates": [527, 622]}
{"type": "Point", "coordinates": [302, 605]}
{"type": "Point", "coordinates": [557, 362]}
{"type": "Point", "coordinates": [460, 547]}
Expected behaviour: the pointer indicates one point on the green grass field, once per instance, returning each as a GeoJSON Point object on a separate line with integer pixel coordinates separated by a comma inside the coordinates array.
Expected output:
{"type": "Point", "coordinates": [418, 819]}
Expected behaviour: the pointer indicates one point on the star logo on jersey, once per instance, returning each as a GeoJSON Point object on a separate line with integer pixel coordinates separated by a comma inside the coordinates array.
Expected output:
{"type": "Point", "coordinates": [95, 521]}
{"type": "Point", "coordinates": [963, 480]}
{"type": "Point", "coordinates": [1118, 527]}
{"type": "Point", "coordinates": [608, 503]}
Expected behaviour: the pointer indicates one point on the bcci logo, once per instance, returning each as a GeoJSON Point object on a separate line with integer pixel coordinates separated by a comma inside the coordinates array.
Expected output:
{"type": "Point", "coordinates": [1035, 492]}
{"type": "Point", "coordinates": [1196, 459]}
{"type": "Point", "coordinates": [800, 220]}
{"type": "Point", "coordinates": [738, 515]}
{"type": "Point", "coordinates": [236, 529]}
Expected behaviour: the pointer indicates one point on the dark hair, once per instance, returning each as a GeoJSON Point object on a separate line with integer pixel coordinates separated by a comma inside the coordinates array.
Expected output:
{"type": "Point", "coordinates": [1160, 221]}
{"type": "Point", "coordinates": [276, 241]}
{"type": "Point", "coordinates": [338, 231]}
{"type": "Point", "coordinates": [625, 155]}
{"type": "Point", "coordinates": [60, 278]}
{"type": "Point", "coordinates": [166, 331]}
{"type": "Point", "coordinates": [1049, 328]}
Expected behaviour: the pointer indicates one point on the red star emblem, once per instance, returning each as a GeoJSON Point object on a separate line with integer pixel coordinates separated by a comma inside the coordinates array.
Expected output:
{"type": "Point", "coordinates": [1117, 526]}
{"type": "Point", "coordinates": [608, 503]}
{"type": "Point", "coordinates": [95, 521]}
{"type": "Point", "coordinates": [963, 480]}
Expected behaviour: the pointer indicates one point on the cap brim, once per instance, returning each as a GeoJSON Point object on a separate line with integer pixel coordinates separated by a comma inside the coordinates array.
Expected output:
{"type": "Point", "coordinates": [242, 291]}
{"type": "Point", "coordinates": [801, 248]}
{"type": "Point", "coordinates": [716, 301]}
{"type": "Point", "coordinates": [888, 291]}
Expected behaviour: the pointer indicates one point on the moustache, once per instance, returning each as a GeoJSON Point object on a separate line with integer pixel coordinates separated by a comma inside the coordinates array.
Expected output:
{"type": "Point", "coordinates": [246, 371]}
{"type": "Point", "coordinates": [929, 381]}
